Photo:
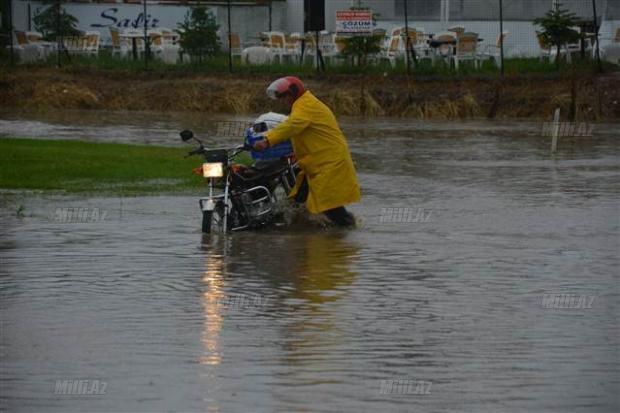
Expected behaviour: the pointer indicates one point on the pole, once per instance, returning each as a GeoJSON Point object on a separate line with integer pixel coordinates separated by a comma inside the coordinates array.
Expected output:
{"type": "Point", "coordinates": [316, 43]}
{"type": "Point", "coordinates": [598, 53]}
{"type": "Point", "coordinates": [229, 39]}
{"type": "Point", "coordinates": [501, 38]}
{"type": "Point", "coordinates": [320, 64]}
{"type": "Point", "coordinates": [59, 39]}
{"type": "Point", "coordinates": [147, 47]}
{"type": "Point", "coordinates": [270, 14]}
{"type": "Point", "coordinates": [11, 31]}
{"type": "Point", "coordinates": [407, 38]}
{"type": "Point", "coordinates": [556, 131]}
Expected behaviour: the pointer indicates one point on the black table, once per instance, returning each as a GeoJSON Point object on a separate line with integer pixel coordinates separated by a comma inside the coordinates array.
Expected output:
{"type": "Point", "coordinates": [436, 43]}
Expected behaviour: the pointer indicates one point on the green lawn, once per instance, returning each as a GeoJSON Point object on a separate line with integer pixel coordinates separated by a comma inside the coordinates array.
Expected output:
{"type": "Point", "coordinates": [87, 167]}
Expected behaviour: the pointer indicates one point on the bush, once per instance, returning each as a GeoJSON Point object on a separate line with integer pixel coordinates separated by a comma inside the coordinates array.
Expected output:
{"type": "Point", "coordinates": [199, 37]}
{"type": "Point", "coordinates": [362, 47]}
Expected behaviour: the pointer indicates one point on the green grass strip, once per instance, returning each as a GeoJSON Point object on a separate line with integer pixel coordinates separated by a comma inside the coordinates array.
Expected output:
{"type": "Point", "coordinates": [88, 167]}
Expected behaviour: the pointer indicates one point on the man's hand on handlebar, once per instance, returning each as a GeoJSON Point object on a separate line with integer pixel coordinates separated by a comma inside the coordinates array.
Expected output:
{"type": "Point", "coordinates": [261, 145]}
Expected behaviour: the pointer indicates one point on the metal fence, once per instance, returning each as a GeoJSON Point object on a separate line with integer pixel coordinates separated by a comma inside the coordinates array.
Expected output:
{"type": "Point", "coordinates": [409, 32]}
{"type": "Point", "coordinates": [597, 19]}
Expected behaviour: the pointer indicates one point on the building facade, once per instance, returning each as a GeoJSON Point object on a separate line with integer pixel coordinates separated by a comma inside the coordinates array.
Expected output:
{"type": "Point", "coordinates": [249, 17]}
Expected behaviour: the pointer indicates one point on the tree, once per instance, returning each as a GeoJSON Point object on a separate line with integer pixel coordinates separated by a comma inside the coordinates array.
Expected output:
{"type": "Point", "coordinates": [54, 21]}
{"type": "Point", "coordinates": [557, 28]}
{"type": "Point", "coordinates": [199, 33]}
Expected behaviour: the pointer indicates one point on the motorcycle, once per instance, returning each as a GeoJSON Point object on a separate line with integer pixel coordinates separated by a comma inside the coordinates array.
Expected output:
{"type": "Point", "coordinates": [240, 196]}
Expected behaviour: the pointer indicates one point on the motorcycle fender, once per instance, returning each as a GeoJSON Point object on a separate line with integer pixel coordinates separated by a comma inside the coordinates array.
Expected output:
{"type": "Point", "coordinates": [208, 205]}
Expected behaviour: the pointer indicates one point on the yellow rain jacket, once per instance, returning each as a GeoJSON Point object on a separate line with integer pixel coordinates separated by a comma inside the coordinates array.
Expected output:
{"type": "Point", "coordinates": [322, 152]}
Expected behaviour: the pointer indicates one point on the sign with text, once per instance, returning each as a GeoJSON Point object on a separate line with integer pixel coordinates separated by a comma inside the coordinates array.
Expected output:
{"type": "Point", "coordinates": [101, 16]}
{"type": "Point", "coordinates": [354, 22]}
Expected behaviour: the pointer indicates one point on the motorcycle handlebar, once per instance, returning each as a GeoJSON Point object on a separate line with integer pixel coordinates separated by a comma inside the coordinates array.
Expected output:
{"type": "Point", "coordinates": [195, 151]}
{"type": "Point", "coordinates": [235, 150]}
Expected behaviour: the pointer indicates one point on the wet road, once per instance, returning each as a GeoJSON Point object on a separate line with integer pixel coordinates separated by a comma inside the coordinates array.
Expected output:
{"type": "Point", "coordinates": [483, 277]}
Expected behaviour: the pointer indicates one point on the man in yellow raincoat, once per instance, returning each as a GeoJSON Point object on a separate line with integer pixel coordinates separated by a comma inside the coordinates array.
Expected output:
{"type": "Point", "coordinates": [327, 180]}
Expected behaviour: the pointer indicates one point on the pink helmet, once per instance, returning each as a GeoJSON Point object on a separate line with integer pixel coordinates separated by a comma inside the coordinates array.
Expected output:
{"type": "Point", "coordinates": [285, 85]}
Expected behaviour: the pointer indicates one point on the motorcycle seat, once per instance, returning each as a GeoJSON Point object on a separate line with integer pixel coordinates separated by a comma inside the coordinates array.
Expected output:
{"type": "Point", "coordinates": [268, 166]}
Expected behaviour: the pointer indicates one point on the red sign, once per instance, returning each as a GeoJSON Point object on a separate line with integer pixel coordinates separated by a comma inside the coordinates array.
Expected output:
{"type": "Point", "coordinates": [354, 22]}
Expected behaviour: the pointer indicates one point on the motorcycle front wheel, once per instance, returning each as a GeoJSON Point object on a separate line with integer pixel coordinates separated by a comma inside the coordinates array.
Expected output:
{"type": "Point", "coordinates": [206, 221]}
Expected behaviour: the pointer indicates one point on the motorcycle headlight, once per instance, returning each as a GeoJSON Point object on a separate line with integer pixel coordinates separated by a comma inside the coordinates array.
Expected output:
{"type": "Point", "coordinates": [213, 170]}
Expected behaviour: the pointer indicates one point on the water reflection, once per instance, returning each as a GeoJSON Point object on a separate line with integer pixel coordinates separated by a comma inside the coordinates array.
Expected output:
{"type": "Point", "coordinates": [320, 279]}
{"type": "Point", "coordinates": [323, 268]}
{"type": "Point", "coordinates": [304, 285]}
{"type": "Point", "coordinates": [212, 298]}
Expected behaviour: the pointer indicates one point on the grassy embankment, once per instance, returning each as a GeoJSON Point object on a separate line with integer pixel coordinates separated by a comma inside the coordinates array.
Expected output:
{"type": "Point", "coordinates": [86, 167]}
{"type": "Point", "coordinates": [530, 89]}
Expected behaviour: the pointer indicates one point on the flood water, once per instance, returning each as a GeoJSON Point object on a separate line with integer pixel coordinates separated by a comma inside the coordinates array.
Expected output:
{"type": "Point", "coordinates": [483, 277]}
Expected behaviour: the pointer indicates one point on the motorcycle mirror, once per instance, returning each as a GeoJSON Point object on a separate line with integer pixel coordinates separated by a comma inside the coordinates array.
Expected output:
{"type": "Point", "coordinates": [187, 135]}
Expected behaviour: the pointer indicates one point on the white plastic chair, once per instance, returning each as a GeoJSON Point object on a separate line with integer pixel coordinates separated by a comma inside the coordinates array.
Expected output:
{"type": "Point", "coordinates": [466, 46]}
{"type": "Point", "coordinates": [394, 50]}
{"type": "Point", "coordinates": [27, 52]}
{"type": "Point", "coordinates": [235, 45]}
{"type": "Point", "coordinates": [292, 44]}
{"type": "Point", "coordinates": [333, 49]}
{"type": "Point", "coordinates": [119, 44]}
{"type": "Point", "coordinates": [92, 42]}
{"type": "Point", "coordinates": [276, 42]}
{"type": "Point", "coordinates": [493, 51]}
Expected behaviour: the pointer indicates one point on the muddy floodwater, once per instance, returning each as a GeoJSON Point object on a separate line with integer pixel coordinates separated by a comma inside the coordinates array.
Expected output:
{"type": "Point", "coordinates": [483, 277]}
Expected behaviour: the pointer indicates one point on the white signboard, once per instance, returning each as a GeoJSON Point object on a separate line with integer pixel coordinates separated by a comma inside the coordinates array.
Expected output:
{"type": "Point", "coordinates": [125, 16]}
{"type": "Point", "coordinates": [354, 22]}
{"type": "Point", "coordinates": [100, 17]}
